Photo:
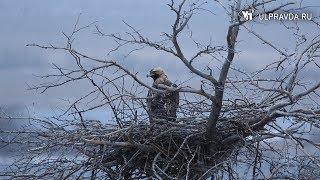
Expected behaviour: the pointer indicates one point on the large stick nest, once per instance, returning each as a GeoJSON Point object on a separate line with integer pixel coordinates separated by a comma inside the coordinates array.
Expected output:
{"type": "Point", "coordinates": [137, 150]}
{"type": "Point", "coordinates": [163, 149]}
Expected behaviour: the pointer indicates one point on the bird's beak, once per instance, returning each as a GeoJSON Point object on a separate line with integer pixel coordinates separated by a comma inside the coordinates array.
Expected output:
{"type": "Point", "coordinates": [148, 75]}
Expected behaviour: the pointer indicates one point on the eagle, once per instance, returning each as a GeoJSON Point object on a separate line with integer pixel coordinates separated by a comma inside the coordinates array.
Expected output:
{"type": "Point", "coordinates": [162, 105]}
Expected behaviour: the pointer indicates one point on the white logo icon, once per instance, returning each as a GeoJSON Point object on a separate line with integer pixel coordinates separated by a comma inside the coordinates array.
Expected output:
{"type": "Point", "coordinates": [247, 15]}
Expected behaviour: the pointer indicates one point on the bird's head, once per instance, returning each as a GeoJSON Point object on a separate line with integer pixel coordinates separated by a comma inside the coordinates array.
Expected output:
{"type": "Point", "coordinates": [156, 73]}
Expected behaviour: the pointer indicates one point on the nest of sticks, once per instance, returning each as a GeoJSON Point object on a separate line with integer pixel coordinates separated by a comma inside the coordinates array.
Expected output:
{"type": "Point", "coordinates": [163, 149]}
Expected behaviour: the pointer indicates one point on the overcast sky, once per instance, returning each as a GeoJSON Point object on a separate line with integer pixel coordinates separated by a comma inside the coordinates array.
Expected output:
{"type": "Point", "coordinates": [40, 21]}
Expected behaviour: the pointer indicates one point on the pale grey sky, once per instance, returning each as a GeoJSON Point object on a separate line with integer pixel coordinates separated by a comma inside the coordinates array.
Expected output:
{"type": "Point", "coordinates": [40, 21]}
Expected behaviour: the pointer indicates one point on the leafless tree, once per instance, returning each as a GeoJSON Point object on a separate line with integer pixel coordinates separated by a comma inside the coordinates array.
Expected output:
{"type": "Point", "coordinates": [234, 125]}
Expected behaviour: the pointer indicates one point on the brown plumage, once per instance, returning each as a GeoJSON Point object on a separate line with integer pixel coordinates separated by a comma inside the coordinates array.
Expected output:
{"type": "Point", "coordinates": [162, 105]}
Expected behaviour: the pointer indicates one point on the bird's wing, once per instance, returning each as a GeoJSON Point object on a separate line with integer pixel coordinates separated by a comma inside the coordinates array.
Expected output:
{"type": "Point", "coordinates": [176, 97]}
{"type": "Point", "coordinates": [149, 99]}
{"type": "Point", "coordinates": [172, 100]}
{"type": "Point", "coordinates": [150, 102]}
{"type": "Point", "coordinates": [167, 82]}
{"type": "Point", "coordinates": [173, 95]}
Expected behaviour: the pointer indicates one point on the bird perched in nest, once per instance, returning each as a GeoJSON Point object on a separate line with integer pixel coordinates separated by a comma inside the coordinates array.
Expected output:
{"type": "Point", "coordinates": [162, 105]}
